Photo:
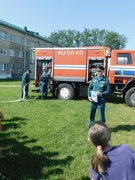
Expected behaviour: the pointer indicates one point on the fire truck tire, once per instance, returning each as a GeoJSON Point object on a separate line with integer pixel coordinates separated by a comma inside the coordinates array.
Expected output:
{"type": "Point", "coordinates": [65, 92]}
{"type": "Point", "coordinates": [130, 97]}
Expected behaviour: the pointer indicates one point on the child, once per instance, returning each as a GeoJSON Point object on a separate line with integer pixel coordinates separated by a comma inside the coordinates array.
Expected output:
{"type": "Point", "coordinates": [110, 162]}
{"type": "Point", "coordinates": [1, 118]}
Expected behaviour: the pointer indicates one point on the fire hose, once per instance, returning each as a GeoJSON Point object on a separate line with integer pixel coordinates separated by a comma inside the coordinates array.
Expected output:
{"type": "Point", "coordinates": [18, 100]}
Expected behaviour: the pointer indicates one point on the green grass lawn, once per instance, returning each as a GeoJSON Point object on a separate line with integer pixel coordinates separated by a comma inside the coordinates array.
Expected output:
{"type": "Point", "coordinates": [48, 139]}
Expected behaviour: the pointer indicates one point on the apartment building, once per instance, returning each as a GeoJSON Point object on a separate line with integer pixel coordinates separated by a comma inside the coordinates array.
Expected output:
{"type": "Point", "coordinates": [15, 49]}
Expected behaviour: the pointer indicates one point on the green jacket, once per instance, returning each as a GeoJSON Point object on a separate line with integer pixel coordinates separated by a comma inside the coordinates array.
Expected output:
{"type": "Point", "coordinates": [99, 84]}
{"type": "Point", "coordinates": [45, 78]}
{"type": "Point", "coordinates": [25, 78]}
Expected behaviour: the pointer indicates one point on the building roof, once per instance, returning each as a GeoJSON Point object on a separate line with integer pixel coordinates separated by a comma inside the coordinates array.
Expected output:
{"type": "Point", "coordinates": [25, 31]}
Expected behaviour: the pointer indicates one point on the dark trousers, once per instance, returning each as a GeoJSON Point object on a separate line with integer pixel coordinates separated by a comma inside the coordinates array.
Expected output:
{"type": "Point", "coordinates": [101, 109]}
{"type": "Point", "coordinates": [25, 90]}
{"type": "Point", "coordinates": [44, 91]}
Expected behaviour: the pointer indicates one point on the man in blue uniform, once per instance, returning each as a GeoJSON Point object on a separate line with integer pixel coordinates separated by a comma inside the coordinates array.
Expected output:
{"type": "Point", "coordinates": [25, 83]}
{"type": "Point", "coordinates": [45, 77]}
{"type": "Point", "coordinates": [98, 88]}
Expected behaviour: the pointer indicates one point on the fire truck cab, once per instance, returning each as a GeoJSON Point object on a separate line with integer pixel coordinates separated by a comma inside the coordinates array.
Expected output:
{"type": "Point", "coordinates": [121, 74]}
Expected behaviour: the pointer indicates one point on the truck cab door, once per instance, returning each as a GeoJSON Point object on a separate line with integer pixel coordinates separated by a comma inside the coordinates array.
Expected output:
{"type": "Point", "coordinates": [121, 66]}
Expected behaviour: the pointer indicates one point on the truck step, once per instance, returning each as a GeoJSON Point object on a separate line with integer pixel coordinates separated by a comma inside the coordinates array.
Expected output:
{"type": "Point", "coordinates": [120, 95]}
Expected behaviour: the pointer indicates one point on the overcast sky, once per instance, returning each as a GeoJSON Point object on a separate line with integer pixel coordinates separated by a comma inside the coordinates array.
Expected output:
{"type": "Point", "coordinates": [47, 16]}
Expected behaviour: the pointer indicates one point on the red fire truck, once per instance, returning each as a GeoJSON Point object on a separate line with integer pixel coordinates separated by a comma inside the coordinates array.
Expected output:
{"type": "Point", "coordinates": [72, 69]}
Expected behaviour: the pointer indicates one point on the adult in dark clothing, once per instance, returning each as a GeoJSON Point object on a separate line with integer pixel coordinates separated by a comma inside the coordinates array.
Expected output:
{"type": "Point", "coordinates": [100, 87]}
{"type": "Point", "coordinates": [45, 77]}
{"type": "Point", "coordinates": [25, 83]}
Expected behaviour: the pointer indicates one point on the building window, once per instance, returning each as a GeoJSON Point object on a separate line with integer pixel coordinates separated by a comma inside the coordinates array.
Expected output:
{"type": "Point", "coordinates": [2, 66]}
{"type": "Point", "coordinates": [12, 67]}
{"type": "Point", "coordinates": [20, 67]}
{"type": "Point", "coordinates": [3, 51]}
{"type": "Point", "coordinates": [20, 41]}
{"type": "Point", "coordinates": [33, 44]}
{"type": "Point", "coordinates": [3, 35]}
{"type": "Point", "coordinates": [124, 58]}
{"type": "Point", "coordinates": [12, 52]}
{"type": "Point", "coordinates": [12, 38]}
{"type": "Point", "coordinates": [20, 54]}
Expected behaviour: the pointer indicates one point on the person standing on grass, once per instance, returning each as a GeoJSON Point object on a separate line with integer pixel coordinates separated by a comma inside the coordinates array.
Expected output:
{"type": "Point", "coordinates": [25, 84]}
{"type": "Point", "coordinates": [100, 87]}
{"type": "Point", "coordinates": [45, 77]}
{"type": "Point", "coordinates": [110, 162]}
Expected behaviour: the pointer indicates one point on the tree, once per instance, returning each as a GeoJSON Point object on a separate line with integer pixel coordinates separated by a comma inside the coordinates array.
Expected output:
{"type": "Point", "coordinates": [94, 37]}
{"type": "Point", "coordinates": [69, 38]}
{"type": "Point", "coordinates": [115, 41]}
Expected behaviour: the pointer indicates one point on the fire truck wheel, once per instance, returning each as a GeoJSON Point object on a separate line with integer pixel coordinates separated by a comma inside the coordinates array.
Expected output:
{"type": "Point", "coordinates": [130, 97]}
{"type": "Point", "coordinates": [65, 92]}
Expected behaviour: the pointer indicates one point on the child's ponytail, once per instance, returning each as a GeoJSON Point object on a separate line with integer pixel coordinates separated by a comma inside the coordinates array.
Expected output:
{"type": "Point", "coordinates": [99, 161]}
{"type": "Point", "coordinates": [99, 135]}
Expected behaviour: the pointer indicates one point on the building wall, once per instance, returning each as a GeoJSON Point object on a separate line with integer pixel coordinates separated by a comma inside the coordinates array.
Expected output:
{"type": "Point", "coordinates": [16, 57]}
